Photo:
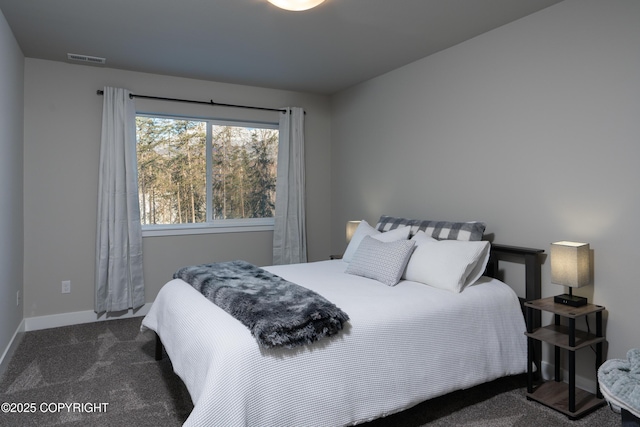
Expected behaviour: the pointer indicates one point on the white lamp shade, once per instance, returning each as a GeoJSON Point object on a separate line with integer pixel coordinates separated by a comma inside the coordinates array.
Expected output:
{"type": "Point", "coordinates": [351, 228]}
{"type": "Point", "coordinates": [570, 264]}
{"type": "Point", "coordinates": [296, 5]}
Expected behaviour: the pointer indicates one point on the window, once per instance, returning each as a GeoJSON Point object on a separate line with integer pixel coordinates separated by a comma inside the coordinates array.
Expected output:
{"type": "Point", "coordinates": [195, 174]}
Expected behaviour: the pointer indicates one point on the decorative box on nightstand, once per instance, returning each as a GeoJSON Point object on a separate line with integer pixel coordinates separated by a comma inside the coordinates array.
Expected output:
{"type": "Point", "coordinates": [566, 398]}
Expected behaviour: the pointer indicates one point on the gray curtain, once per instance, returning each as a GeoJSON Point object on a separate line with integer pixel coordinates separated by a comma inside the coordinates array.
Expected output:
{"type": "Point", "coordinates": [119, 280]}
{"type": "Point", "coordinates": [289, 234]}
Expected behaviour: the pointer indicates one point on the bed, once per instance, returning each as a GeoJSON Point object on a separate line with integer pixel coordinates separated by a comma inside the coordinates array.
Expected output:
{"type": "Point", "coordinates": [402, 345]}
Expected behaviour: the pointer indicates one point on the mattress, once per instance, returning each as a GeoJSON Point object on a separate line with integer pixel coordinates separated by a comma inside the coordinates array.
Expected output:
{"type": "Point", "coordinates": [402, 345]}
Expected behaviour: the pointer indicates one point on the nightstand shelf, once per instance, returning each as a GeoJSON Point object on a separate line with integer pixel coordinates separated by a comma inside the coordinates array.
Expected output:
{"type": "Point", "coordinates": [566, 398]}
{"type": "Point", "coordinates": [558, 335]}
{"type": "Point", "coordinates": [556, 395]}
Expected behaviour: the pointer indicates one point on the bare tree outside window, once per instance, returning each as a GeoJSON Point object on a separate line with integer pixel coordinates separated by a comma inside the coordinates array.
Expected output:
{"type": "Point", "coordinates": [174, 171]}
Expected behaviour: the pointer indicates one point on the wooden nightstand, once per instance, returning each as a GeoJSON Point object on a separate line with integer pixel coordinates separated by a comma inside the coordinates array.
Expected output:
{"type": "Point", "coordinates": [566, 398]}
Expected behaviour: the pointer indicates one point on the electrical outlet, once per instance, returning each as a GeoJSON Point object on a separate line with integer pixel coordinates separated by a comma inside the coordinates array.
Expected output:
{"type": "Point", "coordinates": [66, 286]}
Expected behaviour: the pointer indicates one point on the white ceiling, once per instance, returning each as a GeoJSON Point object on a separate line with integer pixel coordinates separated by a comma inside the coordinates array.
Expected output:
{"type": "Point", "coordinates": [323, 50]}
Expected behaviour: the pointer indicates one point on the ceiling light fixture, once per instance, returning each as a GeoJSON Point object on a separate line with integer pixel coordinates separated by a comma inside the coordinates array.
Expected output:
{"type": "Point", "coordinates": [296, 5]}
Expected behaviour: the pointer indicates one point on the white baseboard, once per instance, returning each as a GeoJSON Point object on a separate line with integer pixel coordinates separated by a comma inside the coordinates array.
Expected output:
{"type": "Point", "coordinates": [79, 317]}
{"type": "Point", "coordinates": [11, 348]}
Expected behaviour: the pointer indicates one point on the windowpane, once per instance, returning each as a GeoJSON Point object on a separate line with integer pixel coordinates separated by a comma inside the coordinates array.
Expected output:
{"type": "Point", "coordinates": [172, 170]}
{"type": "Point", "coordinates": [244, 171]}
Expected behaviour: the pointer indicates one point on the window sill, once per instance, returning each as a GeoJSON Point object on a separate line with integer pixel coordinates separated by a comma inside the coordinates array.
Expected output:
{"type": "Point", "coordinates": [189, 229]}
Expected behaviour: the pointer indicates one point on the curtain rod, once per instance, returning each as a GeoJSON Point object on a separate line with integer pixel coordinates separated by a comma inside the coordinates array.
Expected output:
{"type": "Point", "coordinates": [210, 102]}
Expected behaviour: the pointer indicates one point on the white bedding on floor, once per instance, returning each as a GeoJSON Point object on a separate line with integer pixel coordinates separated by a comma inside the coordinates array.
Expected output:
{"type": "Point", "coordinates": [401, 346]}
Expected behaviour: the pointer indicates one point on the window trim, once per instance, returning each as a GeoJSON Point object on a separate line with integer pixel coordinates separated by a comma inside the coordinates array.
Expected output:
{"type": "Point", "coordinates": [211, 226]}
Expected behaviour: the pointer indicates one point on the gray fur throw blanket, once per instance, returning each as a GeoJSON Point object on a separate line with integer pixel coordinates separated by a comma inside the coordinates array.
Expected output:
{"type": "Point", "coordinates": [277, 312]}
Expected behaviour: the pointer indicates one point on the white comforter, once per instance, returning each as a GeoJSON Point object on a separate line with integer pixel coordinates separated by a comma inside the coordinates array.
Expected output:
{"type": "Point", "coordinates": [402, 345]}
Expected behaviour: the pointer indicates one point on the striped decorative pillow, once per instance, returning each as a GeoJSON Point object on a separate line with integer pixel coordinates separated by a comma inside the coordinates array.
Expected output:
{"type": "Point", "coordinates": [381, 261]}
{"type": "Point", "coordinates": [364, 229]}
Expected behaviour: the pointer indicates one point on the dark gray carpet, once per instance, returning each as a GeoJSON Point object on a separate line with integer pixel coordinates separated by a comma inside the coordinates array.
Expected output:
{"type": "Point", "coordinates": [112, 362]}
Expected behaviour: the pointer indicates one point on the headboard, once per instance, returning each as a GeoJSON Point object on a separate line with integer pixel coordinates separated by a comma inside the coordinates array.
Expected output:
{"type": "Point", "coordinates": [533, 281]}
{"type": "Point", "coordinates": [531, 259]}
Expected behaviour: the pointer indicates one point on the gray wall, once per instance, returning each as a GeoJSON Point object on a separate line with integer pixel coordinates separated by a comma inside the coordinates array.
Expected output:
{"type": "Point", "coordinates": [533, 127]}
{"type": "Point", "coordinates": [61, 155]}
{"type": "Point", "coordinates": [11, 125]}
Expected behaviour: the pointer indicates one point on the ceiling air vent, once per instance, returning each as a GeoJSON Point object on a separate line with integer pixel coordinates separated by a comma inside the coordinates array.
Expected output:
{"type": "Point", "coordinates": [86, 58]}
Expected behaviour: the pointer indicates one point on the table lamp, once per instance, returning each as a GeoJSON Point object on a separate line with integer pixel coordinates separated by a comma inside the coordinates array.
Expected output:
{"type": "Point", "coordinates": [351, 228]}
{"type": "Point", "coordinates": [570, 267]}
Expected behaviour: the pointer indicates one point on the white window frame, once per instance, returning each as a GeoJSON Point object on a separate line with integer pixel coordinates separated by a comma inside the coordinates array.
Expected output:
{"type": "Point", "coordinates": [211, 226]}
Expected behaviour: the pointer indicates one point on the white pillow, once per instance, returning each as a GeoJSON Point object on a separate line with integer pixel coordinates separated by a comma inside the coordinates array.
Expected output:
{"type": "Point", "coordinates": [364, 229]}
{"type": "Point", "coordinates": [381, 261]}
{"type": "Point", "coordinates": [447, 264]}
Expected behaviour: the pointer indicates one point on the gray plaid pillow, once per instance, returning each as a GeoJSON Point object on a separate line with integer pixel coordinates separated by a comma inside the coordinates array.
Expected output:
{"type": "Point", "coordinates": [381, 261]}
{"type": "Point", "coordinates": [441, 230]}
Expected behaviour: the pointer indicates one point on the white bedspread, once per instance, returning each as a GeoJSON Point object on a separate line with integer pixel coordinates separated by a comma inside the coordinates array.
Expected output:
{"type": "Point", "coordinates": [402, 345]}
